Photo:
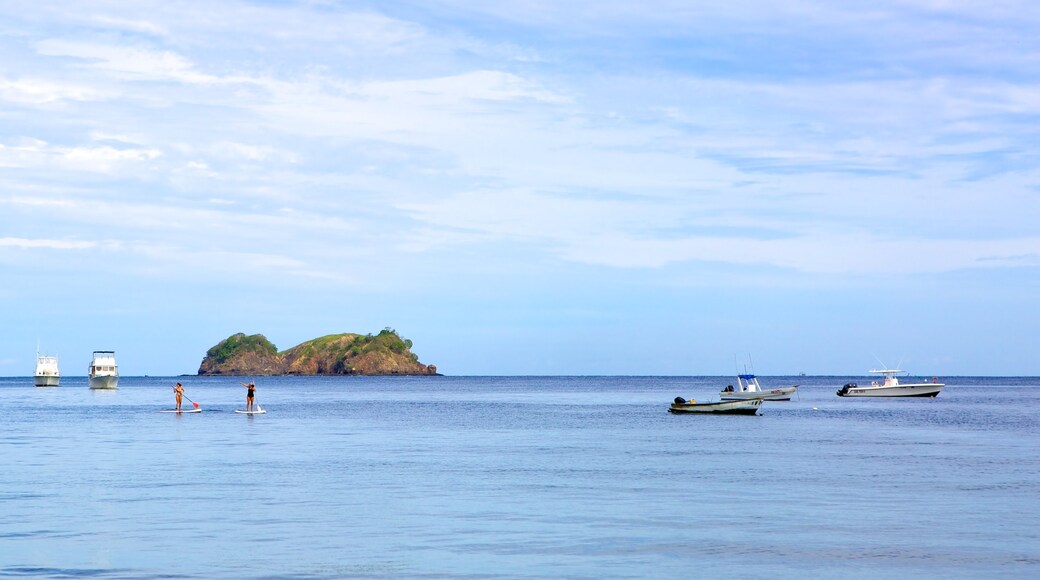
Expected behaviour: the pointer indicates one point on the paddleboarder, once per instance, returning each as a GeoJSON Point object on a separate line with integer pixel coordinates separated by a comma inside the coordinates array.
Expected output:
{"type": "Point", "coordinates": [178, 392]}
{"type": "Point", "coordinates": [250, 394]}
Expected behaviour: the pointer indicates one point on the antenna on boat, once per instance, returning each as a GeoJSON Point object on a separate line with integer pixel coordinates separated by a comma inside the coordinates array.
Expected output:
{"type": "Point", "coordinates": [881, 362]}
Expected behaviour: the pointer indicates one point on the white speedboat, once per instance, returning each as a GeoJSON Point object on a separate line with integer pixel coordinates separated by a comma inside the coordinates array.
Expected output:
{"type": "Point", "coordinates": [749, 407]}
{"type": "Point", "coordinates": [748, 388]}
{"type": "Point", "coordinates": [891, 387]}
{"type": "Point", "coordinates": [47, 374]}
{"type": "Point", "coordinates": [103, 372]}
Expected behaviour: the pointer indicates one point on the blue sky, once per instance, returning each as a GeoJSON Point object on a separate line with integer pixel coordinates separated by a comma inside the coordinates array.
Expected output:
{"type": "Point", "coordinates": [525, 187]}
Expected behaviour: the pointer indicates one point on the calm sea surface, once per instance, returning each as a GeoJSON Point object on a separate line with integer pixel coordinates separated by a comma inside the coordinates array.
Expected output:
{"type": "Point", "coordinates": [575, 477]}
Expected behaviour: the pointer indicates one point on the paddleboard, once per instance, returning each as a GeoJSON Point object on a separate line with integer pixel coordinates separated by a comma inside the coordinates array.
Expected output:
{"type": "Point", "coordinates": [181, 411]}
{"type": "Point", "coordinates": [244, 412]}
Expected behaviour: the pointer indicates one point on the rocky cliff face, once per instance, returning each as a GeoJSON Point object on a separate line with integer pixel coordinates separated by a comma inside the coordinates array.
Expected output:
{"type": "Point", "coordinates": [338, 354]}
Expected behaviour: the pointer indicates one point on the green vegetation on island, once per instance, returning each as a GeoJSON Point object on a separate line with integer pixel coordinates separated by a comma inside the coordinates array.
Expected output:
{"type": "Point", "coordinates": [385, 353]}
{"type": "Point", "coordinates": [240, 343]}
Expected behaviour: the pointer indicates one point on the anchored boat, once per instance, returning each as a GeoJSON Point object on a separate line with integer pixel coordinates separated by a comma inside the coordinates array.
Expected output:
{"type": "Point", "coordinates": [103, 373]}
{"type": "Point", "coordinates": [749, 388]}
{"type": "Point", "coordinates": [47, 374]}
{"type": "Point", "coordinates": [748, 407]}
{"type": "Point", "coordinates": [891, 387]}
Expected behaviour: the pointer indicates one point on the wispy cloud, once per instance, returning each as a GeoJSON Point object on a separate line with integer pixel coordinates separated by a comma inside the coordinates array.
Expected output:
{"type": "Point", "coordinates": [46, 244]}
{"type": "Point", "coordinates": [98, 159]}
{"type": "Point", "coordinates": [38, 92]}
{"type": "Point", "coordinates": [632, 234]}
{"type": "Point", "coordinates": [131, 62]}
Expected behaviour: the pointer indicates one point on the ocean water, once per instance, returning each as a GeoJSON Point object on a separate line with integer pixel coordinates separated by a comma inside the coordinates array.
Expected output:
{"type": "Point", "coordinates": [519, 477]}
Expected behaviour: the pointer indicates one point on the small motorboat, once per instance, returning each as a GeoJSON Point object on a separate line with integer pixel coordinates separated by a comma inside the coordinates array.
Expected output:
{"type": "Point", "coordinates": [748, 388]}
{"type": "Point", "coordinates": [742, 407]}
{"type": "Point", "coordinates": [891, 387]}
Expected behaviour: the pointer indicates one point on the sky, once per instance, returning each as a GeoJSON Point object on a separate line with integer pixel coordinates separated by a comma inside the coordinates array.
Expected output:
{"type": "Point", "coordinates": [525, 188]}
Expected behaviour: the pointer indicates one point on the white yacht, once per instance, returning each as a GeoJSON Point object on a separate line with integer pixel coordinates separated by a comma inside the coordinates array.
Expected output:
{"type": "Point", "coordinates": [891, 387]}
{"type": "Point", "coordinates": [47, 374]}
{"type": "Point", "coordinates": [103, 373]}
{"type": "Point", "coordinates": [749, 388]}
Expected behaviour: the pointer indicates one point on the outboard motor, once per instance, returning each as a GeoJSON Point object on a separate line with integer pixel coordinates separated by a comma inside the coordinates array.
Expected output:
{"type": "Point", "coordinates": [845, 390]}
{"type": "Point", "coordinates": [680, 401]}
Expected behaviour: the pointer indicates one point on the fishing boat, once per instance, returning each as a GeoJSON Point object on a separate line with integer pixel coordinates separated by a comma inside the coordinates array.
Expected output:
{"type": "Point", "coordinates": [749, 388]}
{"type": "Point", "coordinates": [748, 407]}
{"type": "Point", "coordinates": [47, 374]}
{"type": "Point", "coordinates": [891, 387]}
{"type": "Point", "coordinates": [103, 372]}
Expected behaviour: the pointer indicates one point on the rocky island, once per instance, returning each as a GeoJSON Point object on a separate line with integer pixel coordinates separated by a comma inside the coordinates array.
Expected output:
{"type": "Point", "coordinates": [385, 353]}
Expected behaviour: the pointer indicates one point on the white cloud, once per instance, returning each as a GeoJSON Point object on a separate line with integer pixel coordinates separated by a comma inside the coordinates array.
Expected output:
{"type": "Point", "coordinates": [142, 26]}
{"type": "Point", "coordinates": [486, 85]}
{"type": "Point", "coordinates": [251, 153]}
{"type": "Point", "coordinates": [633, 234]}
{"type": "Point", "coordinates": [657, 160]}
{"type": "Point", "coordinates": [132, 62]}
{"type": "Point", "coordinates": [97, 159]}
{"type": "Point", "coordinates": [42, 243]}
{"type": "Point", "coordinates": [855, 253]}
{"type": "Point", "coordinates": [38, 91]}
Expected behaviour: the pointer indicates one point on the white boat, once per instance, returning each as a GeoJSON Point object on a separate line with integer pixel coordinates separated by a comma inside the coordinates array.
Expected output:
{"type": "Point", "coordinates": [47, 374]}
{"type": "Point", "coordinates": [891, 387]}
{"type": "Point", "coordinates": [749, 388]}
{"type": "Point", "coordinates": [103, 372]}
{"type": "Point", "coordinates": [748, 407]}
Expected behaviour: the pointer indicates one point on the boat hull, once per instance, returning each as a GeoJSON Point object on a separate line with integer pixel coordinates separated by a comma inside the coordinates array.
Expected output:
{"type": "Point", "coordinates": [781, 394]}
{"type": "Point", "coordinates": [46, 381]}
{"type": "Point", "coordinates": [917, 390]}
{"type": "Point", "coordinates": [104, 382]}
{"type": "Point", "coordinates": [749, 407]}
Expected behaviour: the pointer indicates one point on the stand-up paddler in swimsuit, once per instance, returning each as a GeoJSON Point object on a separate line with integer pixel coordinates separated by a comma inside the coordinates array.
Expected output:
{"type": "Point", "coordinates": [250, 394]}
{"type": "Point", "coordinates": [178, 392]}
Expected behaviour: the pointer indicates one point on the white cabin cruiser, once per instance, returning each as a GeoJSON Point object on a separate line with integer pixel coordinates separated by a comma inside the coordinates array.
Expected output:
{"type": "Point", "coordinates": [103, 373]}
{"type": "Point", "coordinates": [47, 374]}
{"type": "Point", "coordinates": [890, 387]}
{"type": "Point", "coordinates": [748, 388]}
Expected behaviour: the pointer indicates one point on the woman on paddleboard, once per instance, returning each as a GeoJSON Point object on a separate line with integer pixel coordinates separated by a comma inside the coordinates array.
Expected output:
{"type": "Point", "coordinates": [250, 393]}
{"type": "Point", "coordinates": [178, 392]}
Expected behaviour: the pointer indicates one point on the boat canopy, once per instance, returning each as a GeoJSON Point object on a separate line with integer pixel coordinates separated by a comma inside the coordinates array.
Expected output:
{"type": "Point", "coordinates": [746, 377]}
